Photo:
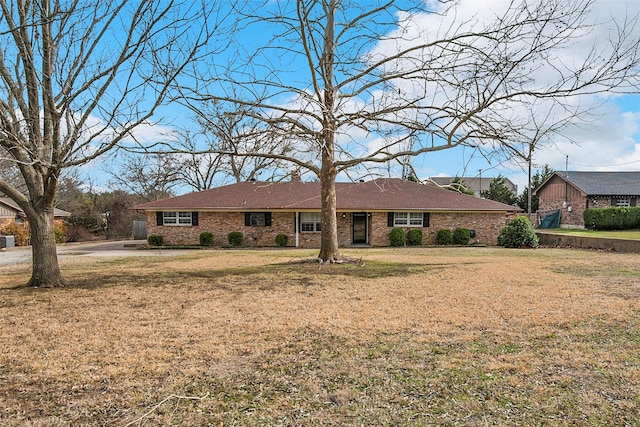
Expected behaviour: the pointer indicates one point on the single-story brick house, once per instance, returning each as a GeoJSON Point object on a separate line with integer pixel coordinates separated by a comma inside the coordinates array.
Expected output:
{"type": "Point", "coordinates": [572, 192]}
{"type": "Point", "coordinates": [366, 212]}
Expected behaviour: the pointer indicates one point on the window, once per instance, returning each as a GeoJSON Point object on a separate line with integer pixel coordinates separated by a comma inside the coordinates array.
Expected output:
{"type": "Point", "coordinates": [310, 222]}
{"type": "Point", "coordinates": [623, 201]}
{"type": "Point", "coordinates": [408, 219]}
{"type": "Point", "coordinates": [178, 218]}
{"type": "Point", "coordinates": [257, 219]}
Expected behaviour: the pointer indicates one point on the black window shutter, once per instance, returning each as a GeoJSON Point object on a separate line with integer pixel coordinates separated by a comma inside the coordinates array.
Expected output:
{"type": "Point", "coordinates": [247, 219]}
{"type": "Point", "coordinates": [194, 218]}
{"type": "Point", "coordinates": [267, 219]}
{"type": "Point", "coordinates": [614, 201]}
{"type": "Point", "coordinates": [159, 218]}
{"type": "Point", "coordinates": [390, 219]}
{"type": "Point", "coordinates": [425, 219]}
{"type": "Point", "coordinates": [632, 201]}
{"type": "Point", "coordinates": [295, 222]}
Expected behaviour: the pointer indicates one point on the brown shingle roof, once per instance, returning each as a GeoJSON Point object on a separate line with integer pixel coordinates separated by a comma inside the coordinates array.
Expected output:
{"type": "Point", "coordinates": [380, 194]}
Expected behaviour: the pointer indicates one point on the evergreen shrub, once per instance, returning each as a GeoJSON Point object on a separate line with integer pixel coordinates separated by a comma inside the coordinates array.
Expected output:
{"type": "Point", "coordinates": [613, 218]}
{"type": "Point", "coordinates": [206, 238]}
{"type": "Point", "coordinates": [235, 238]}
{"type": "Point", "coordinates": [282, 239]}
{"type": "Point", "coordinates": [155, 240]}
{"type": "Point", "coordinates": [518, 233]}
{"type": "Point", "coordinates": [443, 237]}
{"type": "Point", "coordinates": [397, 237]}
{"type": "Point", "coordinates": [461, 236]}
{"type": "Point", "coordinates": [414, 237]}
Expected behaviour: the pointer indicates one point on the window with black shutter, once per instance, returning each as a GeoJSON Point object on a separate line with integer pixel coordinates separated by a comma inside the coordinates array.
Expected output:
{"type": "Point", "coordinates": [257, 219]}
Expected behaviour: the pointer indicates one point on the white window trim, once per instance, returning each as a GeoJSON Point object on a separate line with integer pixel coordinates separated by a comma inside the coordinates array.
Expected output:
{"type": "Point", "coordinates": [623, 202]}
{"type": "Point", "coordinates": [314, 222]}
{"type": "Point", "coordinates": [408, 219]}
{"type": "Point", "coordinates": [177, 219]}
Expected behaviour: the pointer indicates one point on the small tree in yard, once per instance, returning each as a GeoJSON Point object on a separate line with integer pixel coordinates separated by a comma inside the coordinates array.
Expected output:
{"type": "Point", "coordinates": [518, 233]}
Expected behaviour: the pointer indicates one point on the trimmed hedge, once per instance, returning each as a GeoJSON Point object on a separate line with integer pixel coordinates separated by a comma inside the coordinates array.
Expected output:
{"type": "Point", "coordinates": [613, 218]}
{"type": "Point", "coordinates": [443, 237]}
{"type": "Point", "coordinates": [461, 236]}
{"type": "Point", "coordinates": [414, 237]}
{"type": "Point", "coordinates": [206, 238]}
{"type": "Point", "coordinates": [397, 237]}
{"type": "Point", "coordinates": [155, 240]}
{"type": "Point", "coordinates": [282, 239]}
{"type": "Point", "coordinates": [235, 238]}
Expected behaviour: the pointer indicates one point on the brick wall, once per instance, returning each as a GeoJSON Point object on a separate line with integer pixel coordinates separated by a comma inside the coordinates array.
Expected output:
{"type": "Point", "coordinates": [486, 225]}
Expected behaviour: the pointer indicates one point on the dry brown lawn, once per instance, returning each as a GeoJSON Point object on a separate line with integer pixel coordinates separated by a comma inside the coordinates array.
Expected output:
{"type": "Point", "coordinates": [430, 336]}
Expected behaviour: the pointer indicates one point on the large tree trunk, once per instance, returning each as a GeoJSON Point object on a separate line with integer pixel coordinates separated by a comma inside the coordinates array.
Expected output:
{"type": "Point", "coordinates": [46, 270]}
{"type": "Point", "coordinates": [329, 232]}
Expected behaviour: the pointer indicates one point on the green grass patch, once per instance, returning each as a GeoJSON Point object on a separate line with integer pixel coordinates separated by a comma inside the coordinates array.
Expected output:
{"type": "Point", "coordinates": [621, 234]}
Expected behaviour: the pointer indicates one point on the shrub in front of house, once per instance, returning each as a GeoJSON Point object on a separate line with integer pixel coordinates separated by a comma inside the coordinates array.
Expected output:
{"type": "Point", "coordinates": [443, 237]}
{"type": "Point", "coordinates": [155, 240]}
{"type": "Point", "coordinates": [282, 239]}
{"type": "Point", "coordinates": [397, 237]}
{"type": "Point", "coordinates": [518, 233]}
{"type": "Point", "coordinates": [414, 237]}
{"type": "Point", "coordinates": [60, 231]}
{"type": "Point", "coordinates": [18, 231]}
{"type": "Point", "coordinates": [235, 238]}
{"type": "Point", "coordinates": [461, 236]}
{"type": "Point", "coordinates": [206, 238]}
{"type": "Point", "coordinates": [613, 218]}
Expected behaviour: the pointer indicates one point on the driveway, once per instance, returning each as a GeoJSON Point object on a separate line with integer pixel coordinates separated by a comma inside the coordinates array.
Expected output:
{"type": "Point", "coordinates": [22, 254]}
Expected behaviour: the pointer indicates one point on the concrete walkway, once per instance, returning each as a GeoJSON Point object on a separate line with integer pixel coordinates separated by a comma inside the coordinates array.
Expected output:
{"type": "Point", "coordinates": [123, 248]}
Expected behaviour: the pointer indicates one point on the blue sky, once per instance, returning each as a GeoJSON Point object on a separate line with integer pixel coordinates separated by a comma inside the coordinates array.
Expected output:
{"type": "Point", "coordinates": [608, 140]}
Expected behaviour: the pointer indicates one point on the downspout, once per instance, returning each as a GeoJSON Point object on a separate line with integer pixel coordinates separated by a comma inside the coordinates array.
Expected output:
{"type": "Point", "coordinates": [297, 229]}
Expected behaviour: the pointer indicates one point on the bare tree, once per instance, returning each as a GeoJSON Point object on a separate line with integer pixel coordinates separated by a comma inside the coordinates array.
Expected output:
{"type": "Point", "coordinates": [199, 171]}
{"type": "Point", "coordinates": [78, 79]}
{"type": "Point", "coordinates": [544, 123]}
{"type": "Point", "coordinates": [150, 177]}
{"type": "Point", "coordinates": [231, 131]}
{"type": "Point", "coordinates": [364, 83]}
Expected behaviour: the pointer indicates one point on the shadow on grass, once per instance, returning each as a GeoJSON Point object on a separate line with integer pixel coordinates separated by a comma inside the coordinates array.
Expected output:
{"type": "Point", "coordinates": [137, 273]}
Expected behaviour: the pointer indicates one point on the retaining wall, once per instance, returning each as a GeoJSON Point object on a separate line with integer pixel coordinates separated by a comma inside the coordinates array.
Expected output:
{"type": "Point", "coordinates": [608, 243]}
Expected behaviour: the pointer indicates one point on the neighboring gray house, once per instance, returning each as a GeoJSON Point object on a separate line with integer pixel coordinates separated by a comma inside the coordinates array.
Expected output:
{"type": "Point", "coordinates": [9, 210]}
{"type": "Point", "coordinates": [574, 191]}
{"type": "Point", "coordinates": [476, 184]}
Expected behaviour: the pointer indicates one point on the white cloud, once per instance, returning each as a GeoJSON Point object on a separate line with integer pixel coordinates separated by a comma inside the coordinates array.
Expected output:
{"type": "Point", "coordinates": [607, 140]}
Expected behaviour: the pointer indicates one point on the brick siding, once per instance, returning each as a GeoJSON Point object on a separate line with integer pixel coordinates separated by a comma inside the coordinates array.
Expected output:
{"type": "Point", "coordinates": [220, 224]}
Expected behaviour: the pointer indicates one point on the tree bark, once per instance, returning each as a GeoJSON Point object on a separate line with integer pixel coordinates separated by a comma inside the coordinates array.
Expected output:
{"type": "Point", "coordinates": [46, 270]}
{"type": "Point", "coordinates": [329, 233]}
{"type": "Point", "coordinates": [328, 172]}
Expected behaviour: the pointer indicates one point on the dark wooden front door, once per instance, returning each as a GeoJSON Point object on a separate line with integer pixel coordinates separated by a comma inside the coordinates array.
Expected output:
{"type": "Point", "coordinates": [359, 221]}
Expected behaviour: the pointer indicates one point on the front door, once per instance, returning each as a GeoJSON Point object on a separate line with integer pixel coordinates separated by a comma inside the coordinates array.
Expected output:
{"type": "Point", "coordinates": [359, 224]}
